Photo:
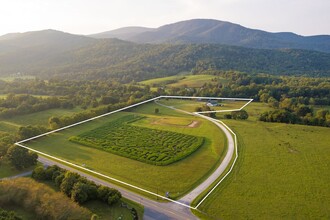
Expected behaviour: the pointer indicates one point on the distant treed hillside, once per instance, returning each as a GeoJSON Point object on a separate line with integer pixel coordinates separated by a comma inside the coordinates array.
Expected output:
{"type": "Point", "coordinates": [203, 31]}
{"type": "Point", "coordinates": [31, 51]}
{"type": "Point", "coordinates": [62, 55]}
{"type": "Point", "coordinates": [137, 62]}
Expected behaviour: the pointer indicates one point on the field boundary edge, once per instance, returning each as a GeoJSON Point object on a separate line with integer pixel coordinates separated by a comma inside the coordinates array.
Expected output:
{"type": "Point", "coordinates": [20, 143]}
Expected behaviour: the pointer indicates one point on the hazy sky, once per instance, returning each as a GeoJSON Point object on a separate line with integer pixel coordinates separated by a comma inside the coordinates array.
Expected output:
{"type": "Point", "coordinates": [305, 17]}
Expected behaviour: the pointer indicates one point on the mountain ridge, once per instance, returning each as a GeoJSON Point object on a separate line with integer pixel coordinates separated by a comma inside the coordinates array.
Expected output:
{"type": "Point", "coordinates": [203, 31]}
{"type": "Point", "coordinates": [48, 53]}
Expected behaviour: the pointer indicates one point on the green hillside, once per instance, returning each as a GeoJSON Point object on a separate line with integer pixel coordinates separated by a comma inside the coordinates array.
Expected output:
{"type": "Point", "coordinates": [92, 58]}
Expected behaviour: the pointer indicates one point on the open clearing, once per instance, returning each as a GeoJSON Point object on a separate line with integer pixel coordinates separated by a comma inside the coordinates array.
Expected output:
{"type": "Point", "coordinates": [159, 179]}
{"type": "Point", "coordinates": [282, 172]}
{"type": "Point", "coordinates": [38, 118]}
{"type": "Point", "coordinates": [191, 105]}
{"type": "Point", "coordinates": [16, 77]}
{"type": "Point", "coordinates": [192, 81]}
{"type": "Point", "coordinates": [7, 170]}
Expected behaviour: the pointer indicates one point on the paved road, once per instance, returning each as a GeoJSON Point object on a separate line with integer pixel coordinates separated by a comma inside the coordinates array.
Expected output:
{"type": "Point", "coordinates": [189, 198]}
{"type": "Point", "coordinates": [153, 209]}
{"type": "Point", "coordinates": [159, 210]}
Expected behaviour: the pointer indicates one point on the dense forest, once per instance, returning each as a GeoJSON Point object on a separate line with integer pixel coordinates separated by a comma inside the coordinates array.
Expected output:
{"type": "Point", "coordinates": [50, 54]}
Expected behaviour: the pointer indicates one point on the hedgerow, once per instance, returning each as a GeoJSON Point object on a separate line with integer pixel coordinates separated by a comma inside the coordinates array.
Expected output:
{"type": "Point", "coordinates": [143, 144]}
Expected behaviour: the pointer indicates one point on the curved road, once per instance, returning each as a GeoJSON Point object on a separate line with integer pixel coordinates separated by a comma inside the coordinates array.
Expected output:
{"type": "Point", "coordinates": [159, 210]}
{"type": "Point", "coordinates": [189, 198]}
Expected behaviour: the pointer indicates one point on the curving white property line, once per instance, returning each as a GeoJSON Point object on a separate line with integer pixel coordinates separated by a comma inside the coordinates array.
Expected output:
{"type": "Point", "coordinates": [232, 146]}
{"type": "Point", "coordinates": [20, 143]}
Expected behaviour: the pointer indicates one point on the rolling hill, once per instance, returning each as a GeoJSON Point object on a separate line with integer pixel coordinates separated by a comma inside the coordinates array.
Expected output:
{"type": "Point", "coordinates": [125, 33]}
{"type": "Point", "coordinates": [203, 31]}
{"type": "Point", "coordinates": [51, 53]}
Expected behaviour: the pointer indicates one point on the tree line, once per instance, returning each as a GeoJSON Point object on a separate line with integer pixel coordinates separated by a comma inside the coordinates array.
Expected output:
{"type": "Point", "coordinates": [291, 110]}
{"type": "Point", "coordinates": [76, 187]}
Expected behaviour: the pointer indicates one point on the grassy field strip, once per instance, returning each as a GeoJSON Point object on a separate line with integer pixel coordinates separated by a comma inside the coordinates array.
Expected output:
{"type": "Point", "coordinates": [232, 165]}
{"type": "Point", "coordinates": [230, 130]}
{"type": "Point", "coordinates": [288, 163]}
{"type": "Point", "coordinates": [109, 113]}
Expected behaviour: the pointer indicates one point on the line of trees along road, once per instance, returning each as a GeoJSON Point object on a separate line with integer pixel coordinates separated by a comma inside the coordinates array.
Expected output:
{"type": "Point", "coordinates": [76, 187]}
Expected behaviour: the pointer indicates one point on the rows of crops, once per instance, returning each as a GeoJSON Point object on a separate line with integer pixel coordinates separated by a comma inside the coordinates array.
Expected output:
{"type": "Point", "coordinates": [144, 144]}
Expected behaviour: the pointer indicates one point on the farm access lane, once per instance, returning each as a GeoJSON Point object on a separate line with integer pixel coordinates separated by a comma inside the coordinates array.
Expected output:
{"type": "Point", "coordinates": [191, 196]}
{"type": "Point", "coordinates": [153, 209]}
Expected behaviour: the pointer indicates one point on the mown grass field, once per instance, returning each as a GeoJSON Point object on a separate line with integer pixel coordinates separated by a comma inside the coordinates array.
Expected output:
{"type": "Point", "coordinates": [191, 104]}
{"type": "Point", "coordinates": [2, 96]}
{"type": "Point", "coordinates": [282, 173]}
{"type": "Point", "coordinates": [6, 170]}
{"type": "Point", "coordinates": [38, 118]}
{"type": "Point", "coordinates": [192, 81]}
{"type": "Point", "coordinates": [12, 78]}
{"type": "Point", "coordinates": [171, 178]}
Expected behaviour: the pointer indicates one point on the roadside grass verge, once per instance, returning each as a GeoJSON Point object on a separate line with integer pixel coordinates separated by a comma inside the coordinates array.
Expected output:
{"type": "Point", "coordinates": [117, 211]}
{"type": "Point", "coordinates": [6, 170]}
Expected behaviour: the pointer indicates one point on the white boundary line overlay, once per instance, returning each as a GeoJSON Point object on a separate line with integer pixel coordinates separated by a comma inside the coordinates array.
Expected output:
{"type": "Point", "coordinates": [134, 105]}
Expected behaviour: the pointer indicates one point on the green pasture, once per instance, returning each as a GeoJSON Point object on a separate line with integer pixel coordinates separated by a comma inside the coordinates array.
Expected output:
{"type": "Point", "coordinates": [12, 78]}
{"type": "Point", "coordinates": [8, 126]}
{"type": "Point", "coordinates": [192, 81]}
{"type": "Point", "coordinates": [2, 96]}
{"type": "Point", "coordinates": [191, 104]}
{"type": "Point", "coordinates": [282, 173]}
{"type": "Point", "coordinates": [37, 118]}
{"type": "Point", "coordinates": [171, 178]}
{"type": "Point", "coordinates": [163, 80]}
{"type": "Point", "coordinates": [6, 170]}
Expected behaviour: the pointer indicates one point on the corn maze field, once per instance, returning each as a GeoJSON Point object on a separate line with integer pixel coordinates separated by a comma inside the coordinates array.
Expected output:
{"type": "Point", "coordinates": [147, 145]}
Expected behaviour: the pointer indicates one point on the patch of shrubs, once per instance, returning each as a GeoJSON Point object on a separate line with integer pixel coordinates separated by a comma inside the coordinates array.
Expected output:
{"type": "Point", "coordinates": [8, 215]}
{"type": "Point", "coordinates": [38, 199]}
{"type": "Point", "coordinates": [151, 146]}
{"type": "Point", "coordinates": [76, 187]}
